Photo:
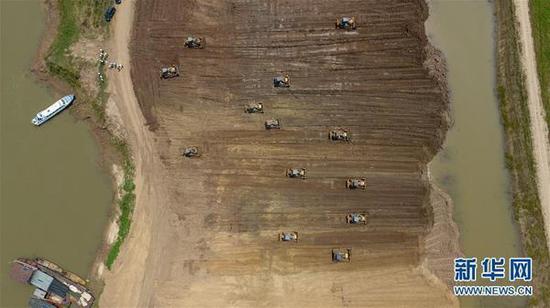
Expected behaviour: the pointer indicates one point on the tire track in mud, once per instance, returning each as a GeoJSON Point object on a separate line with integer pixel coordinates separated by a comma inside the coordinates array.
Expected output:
{"type": "Point", "coordinates": [230, 203]}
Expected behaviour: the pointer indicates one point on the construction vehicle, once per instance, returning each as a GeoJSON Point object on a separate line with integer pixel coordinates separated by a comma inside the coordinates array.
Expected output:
{"type": "Point", "coordinates": [254, 108]}
{"type": "Point", "coordinates": [341, 255]}
{"type": "Point", "coordinates": [272, 124]}
{"type": "Point", "coordinates": [288, 236]}
{"type": "Point", "coordinates": [296, 173]}
{"type": "Point", "coordinates": [191, 152]}
{"type": "Point", "coordinates": [281, 81]}
{"type": "Point", "coordinates": [346, 23]}
{"type": "Point", "coordinates": [356, 183]}
{"type": "Point", "coordinates": [169, 72]}
{"type": "Point", "coordinates": [356, 218]}
{"type": "Point", "coordinates": [194, 42]}
{"type": "Point", "coordinates": [339, 135]}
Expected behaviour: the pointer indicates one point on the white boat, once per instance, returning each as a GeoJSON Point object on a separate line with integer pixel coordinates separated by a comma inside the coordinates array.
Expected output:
{"type": "Point", "coordinates": [54, 109]}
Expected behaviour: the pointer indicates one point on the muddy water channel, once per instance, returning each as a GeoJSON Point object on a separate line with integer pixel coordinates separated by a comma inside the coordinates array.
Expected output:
{"type": "Point", "coordinates": [54, 199]}
{"type": "Point", "coordinates": [471, 166]}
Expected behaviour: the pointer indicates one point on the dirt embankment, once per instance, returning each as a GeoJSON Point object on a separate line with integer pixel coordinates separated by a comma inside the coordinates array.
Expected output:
{"type": "Point", "coordinates": [442, 241]}
{"type": "Point", "coordinates": [517, 119]}
{"type": "Point", "coordinates": [539, 129]}
{"type": "Point", "coordinates": [205, 231]}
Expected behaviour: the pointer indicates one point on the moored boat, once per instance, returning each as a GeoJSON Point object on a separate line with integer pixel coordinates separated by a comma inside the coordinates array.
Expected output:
{"type": "Point", "coordinates": [54, 287]}
{"type": "Point", "coordinates": [54, 109]}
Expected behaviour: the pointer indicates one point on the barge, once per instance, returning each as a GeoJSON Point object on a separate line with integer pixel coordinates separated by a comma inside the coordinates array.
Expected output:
{"type": "Point", "coordinates": [55, 287]}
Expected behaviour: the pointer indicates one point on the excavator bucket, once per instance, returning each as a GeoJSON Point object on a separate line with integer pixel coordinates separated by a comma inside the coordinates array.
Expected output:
{"type": "Point", "coordinates": [298, 173]}
{"type": "Point", "coordinates": [356, 183]}
{"type": "Point", "coordinates": [281, 81]}
{"type": "Point", "coordinates": [340, 255]}
{"type": "Point", "coordinates": [356, 218]}
{"type": "Point", "coordinates": [346, 23]}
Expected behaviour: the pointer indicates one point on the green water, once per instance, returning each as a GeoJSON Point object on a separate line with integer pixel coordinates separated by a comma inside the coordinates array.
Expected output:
{"type": "Point", "coordinates": [471, 165]}
{"type": "Point", "coordinates": [54, 199]}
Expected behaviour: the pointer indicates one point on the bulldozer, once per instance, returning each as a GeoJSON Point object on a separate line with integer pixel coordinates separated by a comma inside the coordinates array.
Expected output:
{"type": "Point", "coordinates": [288, 236]}
{"type": "Point", "coordinates": [339, 135]}
{"type": "Point", "coordinates": [169, 72]}
{"type": "Point", "coordinates": [195, 42]}
{"type": "Point", "coordinates": [356, 218]}
{"type": "Point", "coordinates": [346, 23]}
{"type": "Point", "coordinates": [191, 152]}
{"type": "Point", "coordinates": [296, 173]}
{"type": "Point", "coordinates": [340, 255]}
{"type": "Point", "coordinates": [254, 108]}
{"type": "Point", "coordinates": [356, 183]}
{"type": "Point", "coordinates": [281, 81]}
{"type": "Point", "coordinates": [273, 124]}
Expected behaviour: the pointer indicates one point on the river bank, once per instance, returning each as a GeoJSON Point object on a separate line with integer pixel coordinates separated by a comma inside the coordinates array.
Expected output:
{"type": "Point", "coordinates": [442, 241]}
{"type": "Point", "coordinates": [519, 149]}
{"type": "Point", "coordinates": [83, 111]}
{"type": "Point", "coordinates": [75, 69]}
{"type": "Point", "coordinates": [56, 197]}
{"type": "Point", "coordinates": [471, 166]}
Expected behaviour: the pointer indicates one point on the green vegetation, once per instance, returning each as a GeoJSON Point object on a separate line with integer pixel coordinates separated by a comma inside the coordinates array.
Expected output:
{"type": "Point", "coordinates": [126, 203]}
{"type": "Point", "coordinates": [77, 17]}
{"type": "Point", "coordinates": [58, 60]}
{"type": "Point", "coordinates": [519, 151]}
{"type": "Point", "coordinates": [540, 19]}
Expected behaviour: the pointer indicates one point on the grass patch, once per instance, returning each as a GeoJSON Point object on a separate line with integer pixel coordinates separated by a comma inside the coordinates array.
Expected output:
{"type": "Point", "coordinates": [67, 31]}
{"type": "Point", "coordinates": [98, 105]}
{"type": "Point", "coordinates": [514, 110]}
{"type": "Point", "coordinates": [540, 20]}
{"type": "Point", "coordinates": [126, 202]}
{"type": "Point", "coordinates": [77, 17]}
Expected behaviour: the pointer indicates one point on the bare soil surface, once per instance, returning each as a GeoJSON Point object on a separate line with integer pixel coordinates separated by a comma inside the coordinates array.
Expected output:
{"type": "Point", "coordinates": [205, 230]}
{"type": "Point", "coordinates": [539, 129]}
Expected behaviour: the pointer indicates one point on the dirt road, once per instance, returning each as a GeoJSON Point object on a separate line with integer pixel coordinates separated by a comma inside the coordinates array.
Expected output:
{"type": "Point", "coordinates": [205, 230]}
{"type": "Point", "coordinates": [539, 128]}
{"type": "Point", "coordinates": [129, 284]}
